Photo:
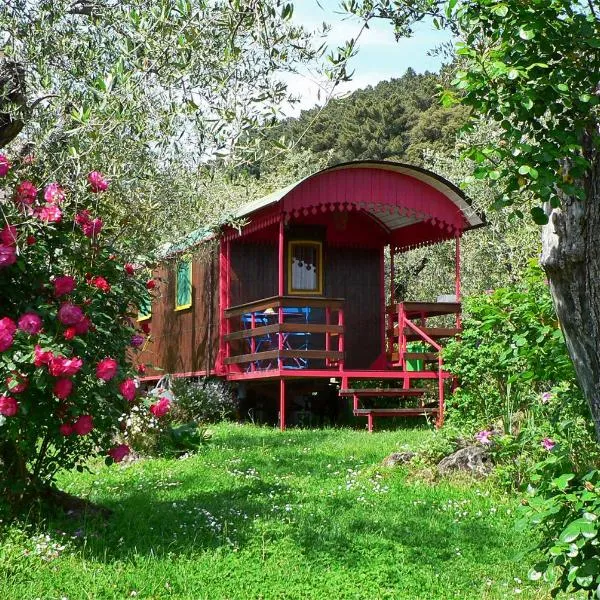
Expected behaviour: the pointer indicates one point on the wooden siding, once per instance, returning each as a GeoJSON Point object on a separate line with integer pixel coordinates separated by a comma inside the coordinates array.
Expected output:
{"type": "Point", "coordinates": [187, 340]}
{"type": "Point", "coordinates": [253, 272]}
{"type": "Point", "coordinates": [354, 274]}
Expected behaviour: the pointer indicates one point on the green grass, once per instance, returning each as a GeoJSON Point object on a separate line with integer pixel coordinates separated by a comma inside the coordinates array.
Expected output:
{"type": "Point", "coordinates": [261, 514]}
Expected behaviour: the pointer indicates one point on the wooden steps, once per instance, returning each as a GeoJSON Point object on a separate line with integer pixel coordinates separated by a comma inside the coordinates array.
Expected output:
{"type": "Point", "coordinates": [395, 412]}
{"type": "Point", "coordinates": [368, 392]}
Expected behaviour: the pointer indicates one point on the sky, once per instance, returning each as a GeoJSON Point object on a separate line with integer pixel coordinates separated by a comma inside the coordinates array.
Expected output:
{"type": "Point", "coordinates": [379, 57]}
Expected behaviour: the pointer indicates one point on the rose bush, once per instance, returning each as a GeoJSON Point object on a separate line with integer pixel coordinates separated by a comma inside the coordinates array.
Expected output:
{"type": "Point", "coordinates": [67, 321]}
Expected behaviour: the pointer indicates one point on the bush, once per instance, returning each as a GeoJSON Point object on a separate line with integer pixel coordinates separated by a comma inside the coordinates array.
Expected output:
{"type": "Point", "coordinates": [204, 401]}
{"type": "Point", "coordinates": [564, 507]}
{"type": "Point", "coordinates": [510, 352]}
{"type": "Point", "coordinates": [66, 332]}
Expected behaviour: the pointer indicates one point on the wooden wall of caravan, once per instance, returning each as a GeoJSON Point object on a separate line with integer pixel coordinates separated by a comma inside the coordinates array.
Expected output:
{"type": "Point", "coordinates": [350, 273]}
{"type": "Point", "coordinates": [187, 340]}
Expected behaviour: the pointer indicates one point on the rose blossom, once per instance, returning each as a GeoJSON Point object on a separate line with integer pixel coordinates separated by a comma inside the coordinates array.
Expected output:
{"type": "Point", "coordinates": [548, 444]}
{"type": "Point", "coordinates": [62, 388]}
{"type": "Point", "coordinates": [100, 283]}
{"type": "Point", "coordinates": [137, 340]}
{"type": "Point", "coordinates": [141, 369]}
{"type": "Point", "coordinates": [92, 228]}
{"type": "Point", "coordinates": [30, 323]}
{"type": "Point", "coordinates": [83, 326]}
{"type": "Point", "coordinates": [54, 194]}
{"type": "Point", "coordinates": [17, 384]}
{"type": "Point", "coordinates": [83, 425]}
{"type": "Point", "coordinates": [40, 357]}
{"type": "Point", "coordinates": [64, 284]}
{"type": "Point", "coordinates": [83, 217]}
{"type": "Point", "coordinates": [4, 165]}
{"type": "Point", "coordinates": [161, 408]}
{"type": "Point", "coordinates": [106, 369]}
{"type": "Point", "coordinates": [483, 437]}
{"type": "Point", "coordinates": [8, 406]}
{"type": "Point", "coordinates": [69, 314]}
{"type": "Point", "coordinates": [146, 327]}
{"type": "Point", "coordinates": [8, 256]}
{"type": "Point", "coordinates": [151, 284]}
{"type": "Point", "coordinates": [8, 235]}
{"type": "Point", "coordinates": [118, 453]}
{"type": "Point", "coordinates": [69, 333]}
{"type": "Point", "coordinates": [66, 429]}
{"type": "Point", "coordinates": [30, 240]}
{"type": "Point", "coordinates": [50, 213]}
{"type": "Point", "coordinates": [128, 268]}
{"type": "Point", "coordinates": [128, 389]}
{"type": "Point", "coordinates": [59, 366]}
{"type": "Point", "coordinates": [7, 332]}
{"type": "Point", "coordinates": [97, 182]}
{"type": "Point", "coordinates": [26, 193]}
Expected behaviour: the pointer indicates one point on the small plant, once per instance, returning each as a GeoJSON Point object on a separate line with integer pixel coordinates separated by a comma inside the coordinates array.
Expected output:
{"type": "Point", "coordinates": [203, 401]}
{"type": "Point", "coordinates": [565, 508]}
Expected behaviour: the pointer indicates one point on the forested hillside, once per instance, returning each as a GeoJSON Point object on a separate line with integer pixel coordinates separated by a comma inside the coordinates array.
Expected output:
{"type": "Point", "coordinates": [395, 120]}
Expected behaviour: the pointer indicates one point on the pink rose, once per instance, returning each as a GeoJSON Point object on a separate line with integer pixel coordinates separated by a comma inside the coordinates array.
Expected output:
{"type": "Point", "coordinates": [66, 429]}
{"type": "Point", "coordinates": [83, 326]}
{"type": "Point", "coordinates": [62, 388]}
{"type": "Point", "coordinates": [137, 340]}
{"type": "Point", "coordinates": [106, 369]}
{"type": "Point", "coordinates": [8, 256]}
{"type": "Point", "coordinates": [161, 408]}
{"type": "Point", "coordinates": [7, 325]}
{"type": "Point", "coordinates": [4, 165]}
{"type": "Point", "coordinates": [64, 284]}
{"type": "Point", "coordinates": [40, 357]}
{"type": "Point", "coordinates": [69, 314]}
{"type": "Point", "coordinates": [30, 323]}
{"type": "Point", "coordinates": [54, 194]}
{"type": "Point", "coordinates": [118, 453]}
{"type": "Point", "coordinates": [17, 384]}
{"type": "Point", "coordinates": [92, 228]}
{"type": "Point", "coordinates": [8, 406]}
{"type": "Point", "coordinates": [69, 333]}
{"type": "Point", "coordinates": [97, 182]}
{"type": "Point", "coordinates": [50, 213]}
{"type": "Point", "coordinates": [26, 193]}
{"type": "Point", "coordinates": [128, 389]}
{"type": "Point", "coordinates": [59, 366]}
{"type": "Point", "coordinates": [83, 425]}
{"type": "Point", "coordinates": [83, 217]}
{"type": "Point", "coordinates": [8, 235]}
{"type": "Point", "coordinates": [7, 332]}
{"type": "Point", "coordinates": [100, 283]}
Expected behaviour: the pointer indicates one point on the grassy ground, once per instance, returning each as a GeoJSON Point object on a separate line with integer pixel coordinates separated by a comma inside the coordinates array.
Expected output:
{"type": "Point", "coordinates": [260, 514]}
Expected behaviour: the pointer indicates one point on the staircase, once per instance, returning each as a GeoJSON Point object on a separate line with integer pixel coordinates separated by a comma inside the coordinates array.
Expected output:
{"type": "Point", "coordinates": [406, 323]}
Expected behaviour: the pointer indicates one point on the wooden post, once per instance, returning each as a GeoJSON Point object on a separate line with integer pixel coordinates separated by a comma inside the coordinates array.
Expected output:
{"type": "Point", "coordinates": [220, 365]}
{"type": "Point", "coordinates": [341, 342]}
{"type": "Point", "coordinates": [280, 287]}
{"type": "Point", "coordinates": [253, 339]}
{"type": "Point", "coordinates": [457, 278]}
{"type": "Point", "coordinates": [227, 293]}
{"type": "Point", "coordinates": [383, 300]}
{"type": "Point", "coordinates": [327, 334]}
{"type": "Point", "coordinates": [282, 404]}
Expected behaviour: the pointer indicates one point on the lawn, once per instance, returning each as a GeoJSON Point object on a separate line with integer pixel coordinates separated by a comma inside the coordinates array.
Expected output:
{"type": "Point", "coordinates": [263, 514]}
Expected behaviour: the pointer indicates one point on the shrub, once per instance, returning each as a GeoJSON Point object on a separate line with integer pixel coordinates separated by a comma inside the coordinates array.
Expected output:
{"type": "Point", "coordinates": [66, 325]}
{"type": "Point", "coordinates": [203, 401]}
{"type": "Point", "coordinates": [511, 351]}
{"type": "Point", "coordinates": [564, 507]}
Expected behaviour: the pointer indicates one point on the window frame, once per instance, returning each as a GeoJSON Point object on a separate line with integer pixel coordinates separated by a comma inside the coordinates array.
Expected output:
{"type": "Point", "coordinates": [319, 246]}
{"type": "Point", "coordinates": [179, 307]}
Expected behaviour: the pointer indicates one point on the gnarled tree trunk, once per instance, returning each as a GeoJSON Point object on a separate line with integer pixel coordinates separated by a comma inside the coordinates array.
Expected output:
{"type": "Point", "coordinates": [571, 259]}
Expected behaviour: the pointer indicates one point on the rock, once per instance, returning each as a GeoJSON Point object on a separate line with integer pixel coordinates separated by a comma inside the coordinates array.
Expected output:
{"type": "Point", "coordinates": [398, 458]}
{"type": "Point", "coordinates": [472, 459]}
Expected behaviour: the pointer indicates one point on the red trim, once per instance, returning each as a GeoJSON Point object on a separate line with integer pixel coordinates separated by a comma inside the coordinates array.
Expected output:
{"type": "Point", "coordinates": [219, 366]}
{"type": "Point", "coordinates": [188, 374]}
{"type": "Point", "coordinates": [282, 404]}
{"type": "Point", "coordinates": [382, 296]}
{"type": "Point", "coordinates": [336, 374]}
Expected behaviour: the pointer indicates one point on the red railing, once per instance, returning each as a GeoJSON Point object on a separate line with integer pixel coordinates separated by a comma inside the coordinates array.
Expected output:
{"type": "Point", "coordinates": [402, 329]}
{"type": "Point", "coordinates": [284, 332]}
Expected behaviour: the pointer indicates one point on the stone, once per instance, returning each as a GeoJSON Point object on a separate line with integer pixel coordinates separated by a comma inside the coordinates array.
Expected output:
{"type": "Point", "coordinates": [398, 458]}
{"type": "Point", "coordinates": [472, 459]}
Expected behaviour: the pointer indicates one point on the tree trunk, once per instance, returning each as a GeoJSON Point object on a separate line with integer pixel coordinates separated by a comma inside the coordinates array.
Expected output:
{"type": "Point", "coordinates": [571, 260]}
